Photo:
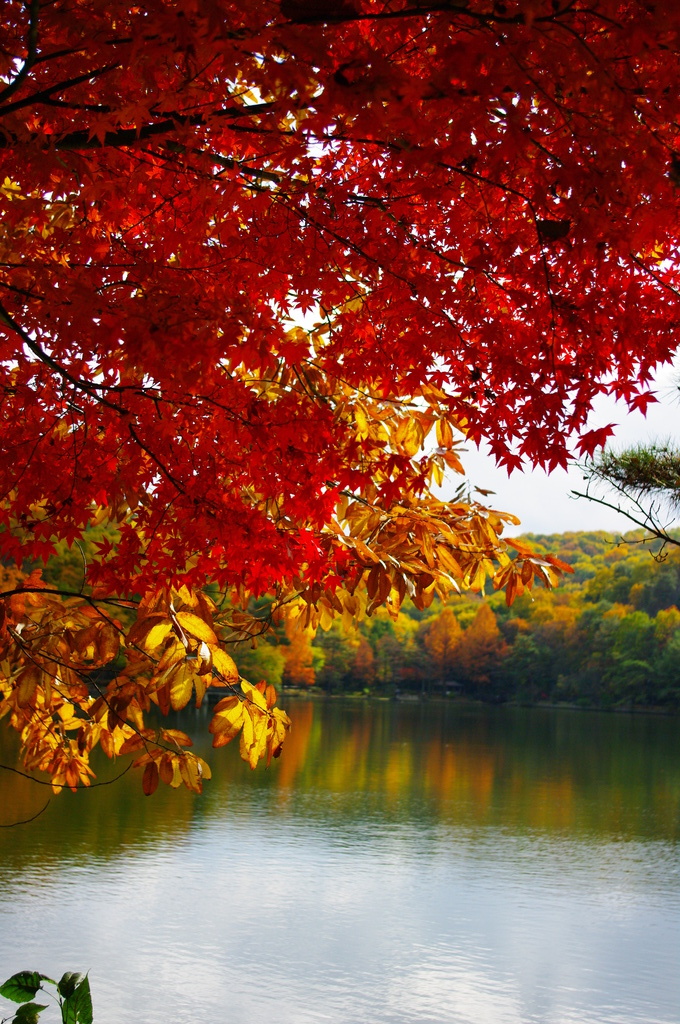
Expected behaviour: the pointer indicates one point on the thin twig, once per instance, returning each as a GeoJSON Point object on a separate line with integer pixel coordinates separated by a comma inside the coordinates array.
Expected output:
{"type": "Point", "coordinates": [48, 782]}
{"type": "Point", "coordinates": [26, 821]}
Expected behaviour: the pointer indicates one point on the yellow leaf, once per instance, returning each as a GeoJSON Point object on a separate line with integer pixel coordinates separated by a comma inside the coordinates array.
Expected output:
{"type": "Point", "coordinates": [200, 685]}
{"type": "Point", "coordinates": [426, 546]}
{"type": "Point", "coordinates": [225, 665]}
{"type": "Point", "coordinates": [227, 720]}
{"type": "Point", "coordinates": [173, 653]}
{"type": "Point", "coordinates": [325, 614]}
{"type": "Point", "coordinates": [141, 627]}
{"type": "Point", "coordinates": [156, 635]}
{"type": "Point", "coordinates": [176, 736]}
{"type": "Point", "coordinates": [11, 189]}
{"type": "Point", "coordinates": [181, 686]}
{"type": "Point", "coordinates": [190, 773]}
{"type": "Point", "coordinates": [196, 626]}
{"type": "Point", "coordinates": [476, 581]}
{"type": "Point", "coordinates": [551, 577]}
{"type": "Point", "coordinates": [444, 433]}
{"type": "Point", "coordinates": [254, 695]}
{"type": "Point", "coordinates": [361, 420]}
{"type": "Point", "coordinates": [447, 562]}
{"type": "Point", "coordinates": [254, 735]}
{"type": "Point", "coordinates": [409, 436]}
{"type": "Point", "coordinates": [186, 596]}
{"type": "Point", "coordinates": [279, 724]}
{"type": "Point", "coordinates": [171, 770]}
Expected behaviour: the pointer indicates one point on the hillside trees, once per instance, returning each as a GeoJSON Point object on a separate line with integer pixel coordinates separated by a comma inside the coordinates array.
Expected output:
{"type": "Point", "coordinates": [606, 638]}
{"type": "Point", "coordinates": [298, 657]}
{"type": "Point", "coordinates": [261, 267]}
{"type": "Point", "coordinates": [442, 639]}
{"type": "Point", "coordinates": [480, 652]}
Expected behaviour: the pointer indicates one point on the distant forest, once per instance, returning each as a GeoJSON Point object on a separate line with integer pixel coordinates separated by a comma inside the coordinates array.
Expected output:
{"type": "Point", "coordinates": [608, 637]}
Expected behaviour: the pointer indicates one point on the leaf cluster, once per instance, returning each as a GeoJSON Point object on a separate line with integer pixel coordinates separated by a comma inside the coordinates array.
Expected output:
{"type": "Point", "coordinates": [72, 995]}
{"type": "Point", "coordinates": [57, 654]}
{"type": "Point", "coordinates": [264, 268]}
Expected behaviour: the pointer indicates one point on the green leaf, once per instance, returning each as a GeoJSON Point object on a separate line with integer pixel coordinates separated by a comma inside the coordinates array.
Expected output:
{"type": "Point", "coordinates": [83, 997]}
{"type": "Point", "coordinates": [28, 1013]}
{"type": "Point", "coordinates": [22, 986]}
{"type": "Point", "coordinates": [67, 985]}
{"type": "Point", "coordinates": [77, 1008]}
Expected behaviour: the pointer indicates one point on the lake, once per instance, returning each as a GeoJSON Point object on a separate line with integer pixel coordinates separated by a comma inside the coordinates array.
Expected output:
{"type": "Point", "coordinates": [428, 863]}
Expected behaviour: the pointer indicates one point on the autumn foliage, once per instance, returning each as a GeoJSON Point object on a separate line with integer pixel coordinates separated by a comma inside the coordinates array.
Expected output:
{"type": "Point", "coordinates": [442, 640]}
{"type": "Point", "coordinates": [262, 266]}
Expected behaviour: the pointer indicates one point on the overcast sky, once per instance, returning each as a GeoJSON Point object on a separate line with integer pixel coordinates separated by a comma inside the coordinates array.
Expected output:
{"type": "Point", "coordinates": [543, 502]}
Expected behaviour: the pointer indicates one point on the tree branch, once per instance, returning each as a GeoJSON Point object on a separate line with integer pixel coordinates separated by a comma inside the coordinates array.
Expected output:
{"type": "Point", "coordinates": [48, 782]}
{"type": "Point", "coordinates": [44, 95]}
{"type": "Point", "coordinates": [86, 386]}
{"type": "Point", "coordinates": [647, 524]}
{"type": "Point", "coordinates": [25, 821]}
{"type": "Point", "coordinates": [31, 51]}
{"type": "Point", "coordinates": [161, 465]}
{"type": "Point", "coordinates": [339, 13]}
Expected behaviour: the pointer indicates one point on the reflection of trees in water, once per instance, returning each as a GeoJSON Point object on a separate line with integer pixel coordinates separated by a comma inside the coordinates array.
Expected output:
{"type": "Point", "coordinates": [596, 775]}
{"type": "Point", "coordinates": [533, 769]}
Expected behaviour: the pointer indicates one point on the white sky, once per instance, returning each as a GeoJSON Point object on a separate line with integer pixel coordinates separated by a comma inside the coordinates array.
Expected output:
{"type": "Point", "coordinates": [543, 501]}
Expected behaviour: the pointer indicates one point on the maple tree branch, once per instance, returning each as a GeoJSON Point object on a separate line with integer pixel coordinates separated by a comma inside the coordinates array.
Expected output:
{"type": "Point", "coordinates": [659, 280]}
{"type": "Point", "coordinates": [337, 13]}
{"type": "Point", "coordinates": [86, 386]}
{"type": "Point", "coordinates": [70, 51]}
{"type": "Point", "coordinates": [31, 51]}
{"type": "Point", "coordinates": [89, 388]}
{"type": "Point", "coordinates": [326, 229]}
{"type": "Point", "coordinates": [24, 292]}
{"type": "Point", "coordinates": [44, 95]}
{"type": "Point", "coordinates": [161, 465]}
{"type": "Point", "coordinates": [226, 162]}
{"type": "Point", "coordinates": [83, 138]}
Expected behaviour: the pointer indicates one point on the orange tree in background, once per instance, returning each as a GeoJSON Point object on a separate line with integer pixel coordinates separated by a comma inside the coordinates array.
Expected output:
{"type": "Point", "coordinates": [481, 650]}
{"type": "Point", "coordinates": [442, 639]}
{"type": "Point", "coordinates": [261, 265]}
{"type": "Point", "coordinates": [298, 656]}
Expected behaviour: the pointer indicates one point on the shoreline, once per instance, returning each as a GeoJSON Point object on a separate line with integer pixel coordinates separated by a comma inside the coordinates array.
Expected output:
{"type": "Point", "coordinates": [313, 693]}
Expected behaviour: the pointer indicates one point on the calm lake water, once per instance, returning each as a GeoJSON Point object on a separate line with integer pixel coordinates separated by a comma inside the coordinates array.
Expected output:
{"type": "Point", "coordinates": [400, 863]}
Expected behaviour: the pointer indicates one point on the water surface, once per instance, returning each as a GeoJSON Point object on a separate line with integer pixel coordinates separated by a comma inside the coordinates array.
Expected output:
{"type": "Point", "coordinates": [422, 863]}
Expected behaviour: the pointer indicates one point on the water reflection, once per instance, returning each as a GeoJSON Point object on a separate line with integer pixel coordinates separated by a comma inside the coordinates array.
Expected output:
{"type": "Point", "coordinates": [399, 863]}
